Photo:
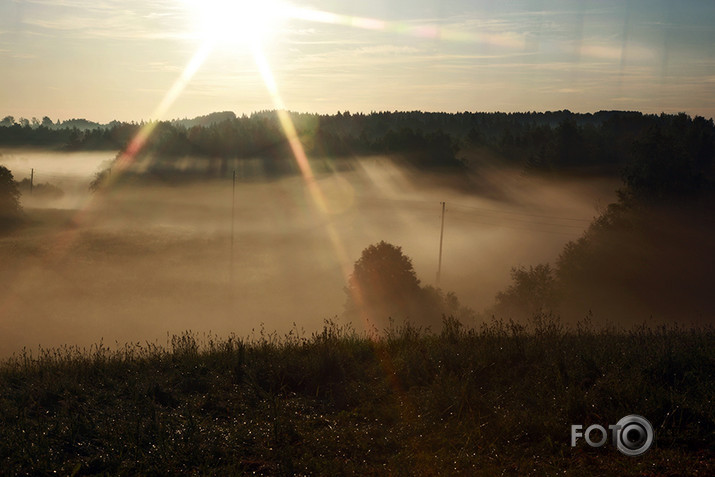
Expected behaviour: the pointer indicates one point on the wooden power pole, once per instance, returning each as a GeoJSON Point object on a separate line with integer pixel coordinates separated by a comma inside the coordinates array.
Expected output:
{"type": "Point", "coordinates": [233, 213]}
{"type": "Point", "coordinates": [441, 237]}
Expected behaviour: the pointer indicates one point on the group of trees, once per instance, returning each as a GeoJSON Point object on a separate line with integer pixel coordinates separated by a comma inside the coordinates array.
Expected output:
{"type": "Point", "coordinates": [47, 123]}
{"type": "Point", "coordinates": [10, 193]}
{"type": "Point", "coordinates": [24, 122]}
{"type": "Point", "coordinates": [534, 141]}
{"type": "Point", "coordinates": [652, 250]}
{"type": "Point", "coordinates": [384, 285]}
{"type": "Point", "coordinates": [43, 190]}
{"type": "Point", "coordinates": [660, 228]}
{"type": "Point", "coordinates": [10, 210]}
{"type": "Point", "coordinates": [225, 136]}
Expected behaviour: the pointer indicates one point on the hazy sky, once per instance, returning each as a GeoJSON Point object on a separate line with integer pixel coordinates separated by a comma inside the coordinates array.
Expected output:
{"type": "Point", "coordinates": [106, 59]}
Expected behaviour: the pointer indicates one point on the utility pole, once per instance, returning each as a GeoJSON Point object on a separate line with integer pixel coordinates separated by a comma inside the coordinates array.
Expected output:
{"type": "Point", "coordinates": [32, 178]}
{"type": "Point", "coordinates": [441, 237]}
{"type": "Point", "coordinates": [233, 213]}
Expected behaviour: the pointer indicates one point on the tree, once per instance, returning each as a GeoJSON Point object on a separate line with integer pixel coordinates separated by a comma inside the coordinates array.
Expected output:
{"type": "Point", "coordinates": [10, 209]}
{"type": "Point", "coordinates": [101, 179]}
{"type": "Point", "coordinates": [533, 291]}
{"type": "Point", "coordinates": [383, 284]}
{"type": "Point", "coordinates": [7, 121]}
{"type": "Point", "coordinates": [670, 164]}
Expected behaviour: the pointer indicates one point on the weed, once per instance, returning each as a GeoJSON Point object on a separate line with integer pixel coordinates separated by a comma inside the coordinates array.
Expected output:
{"type": "Point", "coordinates": [498, 398]}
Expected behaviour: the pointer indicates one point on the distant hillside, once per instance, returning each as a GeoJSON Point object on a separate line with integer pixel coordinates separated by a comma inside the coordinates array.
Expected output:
{"type": "Point", "coordinates": [205, 121]}
{"type": "Point", "coordinates": [81, 124]}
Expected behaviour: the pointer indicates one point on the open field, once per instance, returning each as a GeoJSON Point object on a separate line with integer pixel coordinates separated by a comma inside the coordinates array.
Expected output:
{"type": "Point", "coordinates": [495, 400]}
{"type": "Point", "coordinates": [297, 238]}
{"type": "Point", "coordinates": [142, 260]}
{"type": "Point", "coordinates": [264, 385]}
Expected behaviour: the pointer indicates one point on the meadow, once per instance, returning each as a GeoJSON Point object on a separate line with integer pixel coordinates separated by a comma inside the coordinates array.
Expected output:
{"type": "Point", "coordinates": [497, 399]}
{"type": "Point", "coordinates": [143, 259]}
{"type": "Point", "coordinates": [98, 375]}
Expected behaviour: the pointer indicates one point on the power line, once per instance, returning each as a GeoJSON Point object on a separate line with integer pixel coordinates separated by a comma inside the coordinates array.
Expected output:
{"type": "Point", "coordinates": [500, 225]}
{"type": "Point", "coordinates": [484, 209]}
{"type": "Point", "coordinates": [520, 213]}
{"type": "Point", "coordinates": [233, 220]}
{"type": "Point", "coordinates": [511, 227]}
{"type": "Point", "coordinates": [502, 218]}
{"type": "Point", "coordinates": [551, 224]}
{"type": "Point", "coordinates": [441, 237]}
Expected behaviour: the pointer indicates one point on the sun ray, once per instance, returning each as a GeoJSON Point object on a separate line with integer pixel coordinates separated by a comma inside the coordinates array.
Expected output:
{"type": "Point", "coordinates": [127, 157]}
{"type": "Point", "coordinates": [407, 411]}
{"type": "Point", "coordinates": [297, 149]}
{"type": "Point", "coordinates": [63, 241]}
{"type": "Point", "coordinates": [180, 84]}
{"type": "Point", "coordinates": [316, 193]}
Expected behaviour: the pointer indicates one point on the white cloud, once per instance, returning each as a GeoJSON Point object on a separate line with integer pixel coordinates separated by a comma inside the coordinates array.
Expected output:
{"type": "Point", "coordinates": [106, 20]}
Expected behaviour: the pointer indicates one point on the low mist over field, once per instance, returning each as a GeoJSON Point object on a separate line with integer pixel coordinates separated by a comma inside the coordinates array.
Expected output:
{"type": "Point", "coordinates": [366, 238]}
{"type": "Point", "coordinates": [69, 171]}
{"type": "Point", "coordinates": [134, 262]}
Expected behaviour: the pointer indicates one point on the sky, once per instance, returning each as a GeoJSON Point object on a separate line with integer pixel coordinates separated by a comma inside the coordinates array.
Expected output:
{"type": "Point", "coordinates": [138, 60]}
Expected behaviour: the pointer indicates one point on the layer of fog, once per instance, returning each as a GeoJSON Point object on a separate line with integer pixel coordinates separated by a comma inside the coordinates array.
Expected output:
{"type": "Point", "coordinates": [137, 262]}
{"type": "Point", "coordinates": [68, 171]}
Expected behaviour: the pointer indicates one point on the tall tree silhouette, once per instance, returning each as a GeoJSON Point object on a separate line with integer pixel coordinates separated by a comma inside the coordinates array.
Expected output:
{"type": "Point", "coordinates": [383, 283]}
{"type": "Point", "coordinates": [10, 209]}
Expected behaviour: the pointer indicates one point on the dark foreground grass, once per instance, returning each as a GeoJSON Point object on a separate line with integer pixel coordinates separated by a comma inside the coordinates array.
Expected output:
{"type": "Point", "coordinates": [496, 400]}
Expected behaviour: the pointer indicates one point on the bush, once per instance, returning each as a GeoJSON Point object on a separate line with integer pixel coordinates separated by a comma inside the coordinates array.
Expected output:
{"type": "Point", "coordinates": [533, 291]}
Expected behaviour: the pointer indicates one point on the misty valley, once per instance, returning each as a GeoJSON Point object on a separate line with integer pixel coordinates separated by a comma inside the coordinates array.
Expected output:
{"type": "Point", "coordinates": [214, 224]}
{"type": "Point", "coordinates": [146, 259]}
{"type": "Point", "coordinates": [328, 238]}
{"type": "Point", "coordinates": [372, 279]}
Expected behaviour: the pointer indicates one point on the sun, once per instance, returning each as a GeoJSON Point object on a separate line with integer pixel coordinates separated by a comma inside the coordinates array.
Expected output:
{"type": "Point", "coordinates": [238, 21]}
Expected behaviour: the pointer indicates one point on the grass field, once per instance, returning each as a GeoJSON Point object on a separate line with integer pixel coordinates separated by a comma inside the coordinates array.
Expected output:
{"type": "Point", "coordinates": [499, 399]}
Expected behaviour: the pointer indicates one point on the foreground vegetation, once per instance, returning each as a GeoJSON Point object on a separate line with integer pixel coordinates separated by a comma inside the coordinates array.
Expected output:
{"type": "Point", "coordinates": [498, 399]}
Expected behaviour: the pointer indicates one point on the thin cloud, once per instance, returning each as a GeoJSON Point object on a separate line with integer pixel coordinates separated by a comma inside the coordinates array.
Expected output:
{"type": "Point", "coordinates": [387, 50]}
{"type": "Point", "coordinates": [106, 20]}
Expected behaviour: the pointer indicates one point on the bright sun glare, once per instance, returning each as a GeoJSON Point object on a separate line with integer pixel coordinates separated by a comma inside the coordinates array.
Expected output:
{"type": "Point", "coordinates": [238, 21]}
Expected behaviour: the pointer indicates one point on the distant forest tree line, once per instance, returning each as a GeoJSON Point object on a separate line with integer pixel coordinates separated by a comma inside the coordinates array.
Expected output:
{"type": "Point", "coordinates": [653, 247]}
{"type": "Point", "coordinates": [651, 251]}
{"type": "Point", "coordinates": [605, 141]}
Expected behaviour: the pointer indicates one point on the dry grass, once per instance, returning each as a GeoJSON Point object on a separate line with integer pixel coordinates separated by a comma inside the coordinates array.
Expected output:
{"type": "Point", "coordinates": [499, 399]}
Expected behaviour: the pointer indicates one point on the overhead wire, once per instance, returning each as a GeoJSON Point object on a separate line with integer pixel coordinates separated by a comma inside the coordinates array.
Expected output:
{"type": "Point", "coordinates": [501, 218]}
{"type": "Point", "coordinates": [519, 213]}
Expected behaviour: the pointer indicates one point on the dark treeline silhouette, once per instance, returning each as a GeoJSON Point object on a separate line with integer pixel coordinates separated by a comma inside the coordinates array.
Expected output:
{"type": "Point", "coordinates": [10, 209]}
{"type": "Point", "coordinates": [384, 285]}
{"type": "Point", "coordinates": [72, 134]}
{"type": "Point", "coordinates": [42, 190]}
{"type": "Point", "coordinates": [545, 141]}
{"type": "Point", "coordinates": [650, 253]}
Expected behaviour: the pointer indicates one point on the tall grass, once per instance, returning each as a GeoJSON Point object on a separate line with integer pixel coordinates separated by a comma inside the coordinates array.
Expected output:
{"type": "Point", "coordinates": [495, 399]}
